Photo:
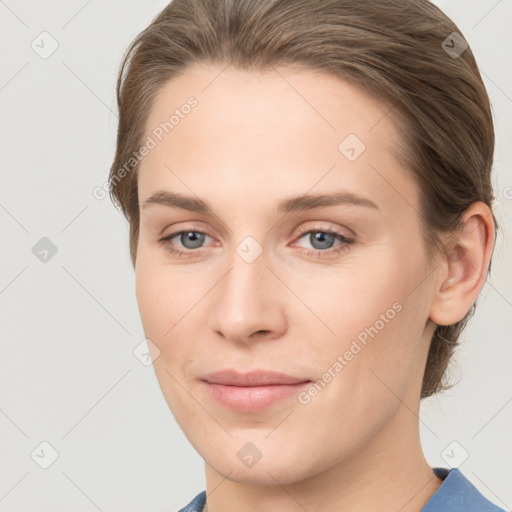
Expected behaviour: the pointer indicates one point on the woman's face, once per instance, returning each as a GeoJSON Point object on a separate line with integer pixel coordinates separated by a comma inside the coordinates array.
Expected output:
{"type": "Point", "coordinates": [334, 292]}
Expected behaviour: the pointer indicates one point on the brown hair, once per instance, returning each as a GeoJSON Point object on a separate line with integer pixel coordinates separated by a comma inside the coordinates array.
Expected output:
{"type": "Point", "coordinates": [402, 51]}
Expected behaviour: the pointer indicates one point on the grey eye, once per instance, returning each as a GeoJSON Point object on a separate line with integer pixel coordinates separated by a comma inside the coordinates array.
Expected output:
{"type": "Point", "coordinates": [191, 239]}
{"type": "Point", "coordinates": [321, 239]}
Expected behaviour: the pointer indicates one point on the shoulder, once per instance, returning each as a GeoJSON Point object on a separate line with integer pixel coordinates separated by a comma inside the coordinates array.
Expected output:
{"type": "Point", "coordinates": [458, 494]}
{"type": "Point", "coordinates": [197, 504]}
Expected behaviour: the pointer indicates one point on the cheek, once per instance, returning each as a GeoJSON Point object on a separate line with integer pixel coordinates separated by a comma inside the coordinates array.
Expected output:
{"type": "Point", "coordinates": [150, 299]}
{"type": "Point", "coordinates": [158, 299]}
{"type": "Point", "coordinates": [356, 299]}
{"type": "Point", "coordinates": [164, 303]}
{"type": "Point", "coordinates": [169, 300]}
{"type": "Point", "coordinates": [376, 315]}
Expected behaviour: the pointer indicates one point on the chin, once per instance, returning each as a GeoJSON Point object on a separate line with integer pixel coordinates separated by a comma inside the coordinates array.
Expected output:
{"type": "Point", "coordinates": [262, 473]}
{"type": "Point", "coordinates": [270, 462]}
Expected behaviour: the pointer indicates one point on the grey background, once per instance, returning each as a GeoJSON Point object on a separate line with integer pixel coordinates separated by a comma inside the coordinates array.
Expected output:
{"type": "Point", "coordinates": [69, 325]}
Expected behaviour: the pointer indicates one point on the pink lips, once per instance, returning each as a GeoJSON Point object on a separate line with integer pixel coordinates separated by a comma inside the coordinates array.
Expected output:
{"type": "Point", "coordinates": [253, 391]}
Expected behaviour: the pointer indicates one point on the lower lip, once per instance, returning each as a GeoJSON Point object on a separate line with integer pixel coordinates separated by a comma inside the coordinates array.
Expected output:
{"type": "Point", "coordinates": [253, 398]}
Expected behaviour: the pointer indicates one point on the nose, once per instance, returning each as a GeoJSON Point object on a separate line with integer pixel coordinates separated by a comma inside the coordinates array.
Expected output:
{"type": "Point", "coordinates": [249, 303]}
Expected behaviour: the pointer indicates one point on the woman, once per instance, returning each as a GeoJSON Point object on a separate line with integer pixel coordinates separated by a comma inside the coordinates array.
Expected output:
{"type": "Point", "coordinates": [310, 205]}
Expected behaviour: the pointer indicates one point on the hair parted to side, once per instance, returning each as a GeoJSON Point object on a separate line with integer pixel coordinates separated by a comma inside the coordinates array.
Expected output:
{"type": "Point", "coordinates": [391, 49]}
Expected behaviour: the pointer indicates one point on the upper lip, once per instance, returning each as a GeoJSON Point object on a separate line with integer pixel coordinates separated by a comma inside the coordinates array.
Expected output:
{"type": "Point", "coordinates": [252, 378]}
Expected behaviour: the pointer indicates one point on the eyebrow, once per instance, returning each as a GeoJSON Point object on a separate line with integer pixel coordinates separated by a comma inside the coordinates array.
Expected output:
{"type": "Point", "coordinates": [289, 205]}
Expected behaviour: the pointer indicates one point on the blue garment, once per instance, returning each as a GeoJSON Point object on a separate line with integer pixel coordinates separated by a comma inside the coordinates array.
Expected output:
{"type": "Point", "coordinates": [456, 494]}
{"type": "Point", "coordinates": [197, 504]}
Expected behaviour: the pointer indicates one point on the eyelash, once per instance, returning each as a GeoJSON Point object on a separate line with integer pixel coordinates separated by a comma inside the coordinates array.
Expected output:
{"type": "Point", "coordinates": [302, 232]}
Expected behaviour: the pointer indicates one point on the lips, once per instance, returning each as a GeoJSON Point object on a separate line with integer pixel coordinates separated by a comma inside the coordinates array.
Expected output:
{"type": "Point", "coordinates": [251, 379]}
{"type": "Point", "coordinates": [254, 391]}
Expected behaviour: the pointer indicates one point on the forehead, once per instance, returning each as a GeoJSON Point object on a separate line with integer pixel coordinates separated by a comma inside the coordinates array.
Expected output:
{"type": "Point", "coordinates": [283, 129]}
{"type": "Point", "coordinates": [262, 102]}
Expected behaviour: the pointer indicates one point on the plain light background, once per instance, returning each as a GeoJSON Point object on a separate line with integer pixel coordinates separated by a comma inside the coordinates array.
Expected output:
{"type": "Point", "coordinates": [69, 325]}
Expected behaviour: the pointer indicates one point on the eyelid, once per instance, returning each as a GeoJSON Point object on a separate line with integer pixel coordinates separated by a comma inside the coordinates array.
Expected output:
{"type": "Point", "coordinates": [301, 231]}
{"type": "Point", "coordinates": [178, 230]}
{"type": "Point", "coordinates": [334, 228]}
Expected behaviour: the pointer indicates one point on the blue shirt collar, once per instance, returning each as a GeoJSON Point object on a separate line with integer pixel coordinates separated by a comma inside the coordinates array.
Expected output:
{"type": "Point", "coordinates": [457, 494]}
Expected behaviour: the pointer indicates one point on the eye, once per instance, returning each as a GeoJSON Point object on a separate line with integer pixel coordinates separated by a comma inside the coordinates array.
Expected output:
{"type": "Point", "coordinates": [323, 240]}
{"type": "Point", "coordinates": [190, 240]}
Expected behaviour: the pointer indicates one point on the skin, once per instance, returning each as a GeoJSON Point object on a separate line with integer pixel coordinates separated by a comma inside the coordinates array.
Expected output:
{"type": "Point", "coordinates": [253, 140]}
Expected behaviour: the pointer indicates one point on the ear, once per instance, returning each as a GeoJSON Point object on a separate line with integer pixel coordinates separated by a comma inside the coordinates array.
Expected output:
{"type": "Point", "coordinates": [463, 271]}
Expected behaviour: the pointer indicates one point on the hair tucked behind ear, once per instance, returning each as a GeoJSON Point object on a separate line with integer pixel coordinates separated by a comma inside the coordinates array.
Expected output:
{"type": "Point", "coordinates": [390, 48]}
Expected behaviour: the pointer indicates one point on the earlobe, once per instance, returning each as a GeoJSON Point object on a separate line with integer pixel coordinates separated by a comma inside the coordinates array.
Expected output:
{"type": "Point", "coordinates": [463, 272]}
